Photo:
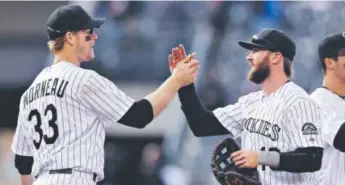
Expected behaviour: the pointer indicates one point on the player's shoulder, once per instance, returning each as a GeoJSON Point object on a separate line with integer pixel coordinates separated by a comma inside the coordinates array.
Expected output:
{"type": "Point", "coordinates": [294, 94]}
{"type": "Point", "coordinates": [320, 94]}
{"type": "Point", "coordinates": [94, 81]}
{"type": "Point", "coordinates": [250, 98]}
{"type": "Point", "coordinates": [324, 98]}
{"type": "Point", "coordinates": [92, 76]}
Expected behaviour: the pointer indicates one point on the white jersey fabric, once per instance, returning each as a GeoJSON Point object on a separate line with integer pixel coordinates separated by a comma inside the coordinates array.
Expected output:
{"type": "Point", "coordinates": [63, 116]}
{"type": "Point", "coordinates": [333, 160]}
{"type": "Point", "coordinates": [283, 120]}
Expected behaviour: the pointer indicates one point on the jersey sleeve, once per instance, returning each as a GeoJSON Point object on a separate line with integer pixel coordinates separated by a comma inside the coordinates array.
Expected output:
{"type": "Point", "coordinates": [20, 144]}
{"type": "Point", "coordinates": [331, 128]}
{"type": "Point", "coordinates": [104, 98]}
{"type": "Point", "coordinates": [303, 124]}
{"type": "Point", "coordinates": [331, 120]}
{"type": "Point", "coordinates": [230, 117]}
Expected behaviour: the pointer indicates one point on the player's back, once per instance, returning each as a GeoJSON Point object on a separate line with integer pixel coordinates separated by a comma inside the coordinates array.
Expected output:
{"type": "Point", "coordinates": [333, 168]}
{"type": "Point", "coordinates": [62, 131]}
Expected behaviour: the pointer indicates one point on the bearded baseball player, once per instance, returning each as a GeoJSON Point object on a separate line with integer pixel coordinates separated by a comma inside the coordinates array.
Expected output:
{"type": "Point", "coordinates": [279, 126]}
{"type": "Point", "coordinates": [63, 115]}
{"type": "Point", "coordinates": [331, 98]}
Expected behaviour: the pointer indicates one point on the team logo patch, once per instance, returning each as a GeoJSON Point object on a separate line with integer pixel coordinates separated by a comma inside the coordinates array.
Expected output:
{"type": "Point", "coordinates": [309, 129]}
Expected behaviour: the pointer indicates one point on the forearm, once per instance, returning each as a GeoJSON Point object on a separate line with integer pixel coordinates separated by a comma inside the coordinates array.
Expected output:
{"type": "Point", "coordinates": [161, 98]}
{"type": "Point", "coordinates": [26, 179]}
{"type": "Point", "coordinates": [24, 167]}
{"type": "Point", "coordinates": [201, 121]}
{"type": "Point", "coordinates": [301, 160]}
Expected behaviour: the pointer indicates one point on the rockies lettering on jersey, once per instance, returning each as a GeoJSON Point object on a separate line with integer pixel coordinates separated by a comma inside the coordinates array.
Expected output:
{"type": "Point", "coordinates": [262, 127]}
{"type": "Point", "coordinates": [62, 120]}
{"type": "Point", "coordinates": [280, 121]}
{"type": "Point", "coordinates": [333, 160]}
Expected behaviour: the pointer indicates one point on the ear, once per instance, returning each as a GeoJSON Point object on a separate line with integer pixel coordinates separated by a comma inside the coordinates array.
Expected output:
{"type": "Point", "coordinates": [276, 58]}
{"type": "Point", "coordinates": [70, 38]}
{"type": "Point", "coordinates": [329, 63]}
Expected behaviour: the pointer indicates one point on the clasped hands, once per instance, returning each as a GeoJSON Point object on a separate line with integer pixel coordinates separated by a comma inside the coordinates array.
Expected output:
{"type": "Point", "coordinates": [183, 68]}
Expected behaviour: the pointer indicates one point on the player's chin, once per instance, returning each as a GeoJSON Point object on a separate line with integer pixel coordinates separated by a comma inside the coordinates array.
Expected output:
{"type": "Point", "coordinates": [90, 56]}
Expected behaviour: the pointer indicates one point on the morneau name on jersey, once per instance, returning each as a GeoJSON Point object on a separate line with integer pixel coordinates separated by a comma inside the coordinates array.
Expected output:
{"type": "Point", "coordinates": [50, 87]}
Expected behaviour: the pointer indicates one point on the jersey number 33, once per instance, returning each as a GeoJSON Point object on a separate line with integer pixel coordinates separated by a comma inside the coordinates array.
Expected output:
{"type": "Point", "coordinates": [52, 123]}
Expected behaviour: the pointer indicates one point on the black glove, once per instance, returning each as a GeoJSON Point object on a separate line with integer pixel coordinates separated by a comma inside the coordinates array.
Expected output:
{"type": "Point", "coordinates": [225, 170]}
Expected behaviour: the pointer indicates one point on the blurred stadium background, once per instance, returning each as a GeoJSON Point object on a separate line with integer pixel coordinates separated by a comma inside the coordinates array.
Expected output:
{"type": "Point", "coordinates": [132, 51]}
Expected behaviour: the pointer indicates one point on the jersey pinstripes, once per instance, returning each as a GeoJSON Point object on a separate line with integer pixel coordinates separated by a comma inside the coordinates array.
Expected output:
{"type": "Point", "coordinates": [63, 116]}
{"type": "Point", "coordinates": [283, 120]}
{"type": "Point", "coordinates": [333, 161]}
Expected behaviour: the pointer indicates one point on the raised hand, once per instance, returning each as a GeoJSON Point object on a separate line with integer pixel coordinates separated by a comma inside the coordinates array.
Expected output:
{"type": "Point", "coordinates": [177, 55]}
{"type": "Point", "coordinates": [185, 72]}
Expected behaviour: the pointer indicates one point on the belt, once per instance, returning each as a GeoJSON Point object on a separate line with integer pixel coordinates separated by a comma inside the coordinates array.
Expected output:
{"type": "Point", "coordinates": [69, 171]}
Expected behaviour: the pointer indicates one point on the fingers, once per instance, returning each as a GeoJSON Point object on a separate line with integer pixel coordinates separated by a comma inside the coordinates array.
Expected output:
{"type": "Point", "coordinates": [177, 54]}
{"type": "Point", "coordinates": [194, 65]}
{"type": "Point", "coordinates": [182, 50]}
{"type": "Point", "coordinates": [185, 60]}
{"type": "Point", "coordinates": [238, 158]}
{"type": "Point", "coordinates": [235, 154]}
{"type": "Point", "coordinates": [193, 55]}
{"type": "Point", "coordinates": [171, 60]}
{"type": "Point", "coordinates": [241, 164]}
{"type": "Point", "coordinates": [194, 69]}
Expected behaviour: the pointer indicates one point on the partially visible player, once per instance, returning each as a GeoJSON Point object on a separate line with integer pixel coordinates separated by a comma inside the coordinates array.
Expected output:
{"type": "Point", "coordinates": [63, 115]}
{"type": "Point", "coordinates": [331, 98]}
{"type": "Point", "coordinates": [279, 125]}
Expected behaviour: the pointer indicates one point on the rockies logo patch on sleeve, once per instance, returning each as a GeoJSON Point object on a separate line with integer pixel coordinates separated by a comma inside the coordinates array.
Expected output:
{"type": "Point", "coordinates": [309, 129]}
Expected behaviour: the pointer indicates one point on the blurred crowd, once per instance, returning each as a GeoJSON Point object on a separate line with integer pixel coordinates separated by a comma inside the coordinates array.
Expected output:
{"type": "Point", "coordinates": [134, 44]}
{"type": "Point", "coordinates": [140, 35]}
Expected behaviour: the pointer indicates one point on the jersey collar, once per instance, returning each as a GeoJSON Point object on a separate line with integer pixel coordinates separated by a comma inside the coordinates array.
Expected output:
{"type": "Point", "coordinates": [342, 97]}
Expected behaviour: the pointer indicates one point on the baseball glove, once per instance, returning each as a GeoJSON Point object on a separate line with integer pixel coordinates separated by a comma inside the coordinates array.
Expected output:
{"type": "Point", "coordinates": [225, 170]}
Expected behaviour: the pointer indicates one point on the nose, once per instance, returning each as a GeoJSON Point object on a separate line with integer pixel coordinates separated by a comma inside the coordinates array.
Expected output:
{"type": "Point", "coordinates": [249, 56]}
{"type": "Point", "coordinates": [94, 36]}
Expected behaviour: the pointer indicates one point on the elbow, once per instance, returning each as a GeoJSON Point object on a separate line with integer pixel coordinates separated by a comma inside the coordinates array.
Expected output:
{"type": "Point", "coordinates": [139, 115]}
{"type": "Point", "coordinates": [23, 164]}
{"type": "Point", "coordinates": [143, 125]}
{"type": "Point", "coordinates": [318, 160]}
{"type": "Point", "coordinates": [315, 161]}
{"type": "Point", "coordinates": [139, 124]}
{"type": "Point", "coordinates": [199, 134]}
{"type": "Point", "coordinates": [301, 160]}
{"type": "Point", "coordinates": [317, 166]}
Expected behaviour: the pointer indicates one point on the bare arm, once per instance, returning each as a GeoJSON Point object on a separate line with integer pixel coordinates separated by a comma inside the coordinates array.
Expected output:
{"type": "Point", "coordinates": [160, 98]}
{"type": "Point", "coordinates": [26, 179]}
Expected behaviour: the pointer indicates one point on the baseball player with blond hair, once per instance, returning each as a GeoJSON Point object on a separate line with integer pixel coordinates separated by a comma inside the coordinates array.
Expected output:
{"type": "Point", "coordinates": [63, 115]}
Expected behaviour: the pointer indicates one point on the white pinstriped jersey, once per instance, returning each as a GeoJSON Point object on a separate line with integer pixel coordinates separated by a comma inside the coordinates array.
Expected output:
{"type": "Point", "coordinates": [283, 120]}
{"type": "Point", "coordinates": [333, 161]}
{"type": "Point", "coordinates": [63, 116]}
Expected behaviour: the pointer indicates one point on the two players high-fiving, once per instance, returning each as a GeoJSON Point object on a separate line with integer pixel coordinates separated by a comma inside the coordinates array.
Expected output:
{"type": "Point", "coordinates": [185, 66]}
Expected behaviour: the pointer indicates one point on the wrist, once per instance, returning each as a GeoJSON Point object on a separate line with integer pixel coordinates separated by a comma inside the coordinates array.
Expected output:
{"type": "Point", "coordinates": [269, 158]}
{"type": "Point", "coordinates": [175, 81]}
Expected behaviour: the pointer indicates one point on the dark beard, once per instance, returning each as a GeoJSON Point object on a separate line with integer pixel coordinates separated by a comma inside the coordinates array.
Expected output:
{"type": "Point", "coordinates": [260, 74]}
